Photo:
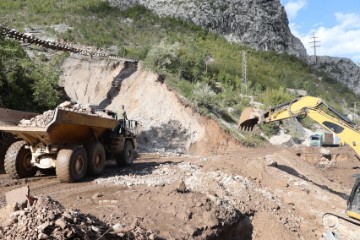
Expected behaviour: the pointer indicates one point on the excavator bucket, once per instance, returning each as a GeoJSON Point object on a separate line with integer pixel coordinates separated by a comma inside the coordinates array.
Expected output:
{"type": "Point", "coordinates": [249, 118]}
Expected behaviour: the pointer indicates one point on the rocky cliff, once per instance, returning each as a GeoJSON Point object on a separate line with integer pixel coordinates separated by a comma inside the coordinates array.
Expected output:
{"type": "Point", "coordinates": [260, 24]}
{"type": "Point", "coordinates": [343, 70]}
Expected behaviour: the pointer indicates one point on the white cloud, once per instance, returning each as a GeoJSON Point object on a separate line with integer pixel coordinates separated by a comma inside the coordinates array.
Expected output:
{"type": "Point", "coordinates": [341, 40]}
{"type": "Point", "coordinates": [292, 7]}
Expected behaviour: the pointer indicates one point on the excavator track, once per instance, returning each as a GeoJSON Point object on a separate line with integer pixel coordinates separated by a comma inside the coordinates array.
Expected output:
{"type": "Point", "coordinates": [339, 227]}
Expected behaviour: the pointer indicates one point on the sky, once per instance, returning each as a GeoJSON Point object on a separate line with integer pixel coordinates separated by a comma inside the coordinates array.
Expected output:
{"type": "Point", "coordinates": [335, 23]}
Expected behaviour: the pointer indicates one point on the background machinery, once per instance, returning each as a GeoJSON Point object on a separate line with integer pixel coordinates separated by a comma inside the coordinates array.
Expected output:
{"type": "Point", "coordinates": [338, 227]}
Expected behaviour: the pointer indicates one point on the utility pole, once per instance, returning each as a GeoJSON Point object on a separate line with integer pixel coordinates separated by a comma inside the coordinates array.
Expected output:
{"type": "Point", "coordinates": [244, 70]}
{"type": "Point", "coordinates": [314, 44]}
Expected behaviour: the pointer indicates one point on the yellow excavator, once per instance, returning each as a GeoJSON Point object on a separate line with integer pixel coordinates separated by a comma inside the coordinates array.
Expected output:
{"type": "Point", "coordinates": [337, 227]}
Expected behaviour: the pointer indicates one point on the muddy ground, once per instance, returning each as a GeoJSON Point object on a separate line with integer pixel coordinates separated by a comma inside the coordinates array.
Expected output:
{"type": "Point", "coordinates": [267, 193]}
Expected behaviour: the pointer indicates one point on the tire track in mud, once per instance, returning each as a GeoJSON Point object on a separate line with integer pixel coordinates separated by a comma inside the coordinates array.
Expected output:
{"type": "Point", "coordinates": [44, 185]}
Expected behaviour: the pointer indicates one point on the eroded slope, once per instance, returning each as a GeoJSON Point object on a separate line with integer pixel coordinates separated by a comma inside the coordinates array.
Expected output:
{"type": "Point", "coordinates": [166, 124]}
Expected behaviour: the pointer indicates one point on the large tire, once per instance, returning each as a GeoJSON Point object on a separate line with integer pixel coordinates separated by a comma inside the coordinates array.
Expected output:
{"type": "Point", "coordinates": [97, 159]}
{"type": "Point", "coordinates": [18, 161]}
{"type": "Point", "coordinates": [71, 164]}
{"type": "Point", "coordinates": [5, 142]}
{"type": "Point", "coordinates": [2, 154]}
{"type": "Point", "coordinates": [127, 156]}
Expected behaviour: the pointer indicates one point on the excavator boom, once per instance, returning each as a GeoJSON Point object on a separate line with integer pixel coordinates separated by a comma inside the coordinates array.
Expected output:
{"type": "Point", "coordinates": [252, 116]}
{"type": "Point", "coordinates": [306, 106]}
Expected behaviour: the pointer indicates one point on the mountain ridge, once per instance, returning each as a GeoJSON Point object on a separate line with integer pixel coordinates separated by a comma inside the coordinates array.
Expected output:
{"type": "Point", "coordinates": [260, 24]}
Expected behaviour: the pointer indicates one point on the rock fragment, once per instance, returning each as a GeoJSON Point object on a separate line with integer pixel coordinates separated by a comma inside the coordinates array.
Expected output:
{"type": "Point", "coordinates": [48, 219]}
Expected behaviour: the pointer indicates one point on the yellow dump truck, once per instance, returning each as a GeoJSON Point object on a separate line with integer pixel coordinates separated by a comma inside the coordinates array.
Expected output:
{"type": "Point", "coordinates": [75, 142]}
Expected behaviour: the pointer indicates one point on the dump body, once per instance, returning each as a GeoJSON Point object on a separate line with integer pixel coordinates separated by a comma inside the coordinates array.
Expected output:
{"type": "Point", "coordinates": [65, 127]}
{"type": "Point", "coordinates": [13, 117]}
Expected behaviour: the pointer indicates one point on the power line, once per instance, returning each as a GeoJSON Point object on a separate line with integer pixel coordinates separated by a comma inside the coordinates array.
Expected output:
{"type": "Point", "coordinates": [314, 44]}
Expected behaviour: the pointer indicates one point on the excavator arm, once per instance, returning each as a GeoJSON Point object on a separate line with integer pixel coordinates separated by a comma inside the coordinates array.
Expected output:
{"type": "Point", "coordinates": [311, 107]}
{"type": "Point", "coordinates": [296, 108]}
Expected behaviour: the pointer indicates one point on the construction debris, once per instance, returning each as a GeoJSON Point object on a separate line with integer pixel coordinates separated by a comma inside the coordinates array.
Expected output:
{"type": "Point", "coordinates": [17, 196]}
{"type": "Point", "coordinates": [48, 219]}
{"type": "Point", "coordinates": [42, 120]}
{"type": "Point", "coordinates": [39, 121]}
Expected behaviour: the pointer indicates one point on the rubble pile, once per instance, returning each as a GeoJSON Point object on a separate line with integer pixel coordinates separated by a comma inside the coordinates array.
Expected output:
{"type": "Point", "coordinates": [44, 119]}
{"type": "Point", "coordinates": [48, 219]}
{"type": "Point", "coordinates": [39, 120]}
{"type": "Point", "coordinates": [229, 193]}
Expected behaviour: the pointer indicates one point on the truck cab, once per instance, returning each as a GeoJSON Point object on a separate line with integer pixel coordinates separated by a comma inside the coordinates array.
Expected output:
{"type": "Point", "coordinates": [316, 140]}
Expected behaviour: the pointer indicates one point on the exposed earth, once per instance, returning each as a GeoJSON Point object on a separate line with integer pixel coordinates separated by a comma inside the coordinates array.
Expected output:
{"type": "Point", "coordinates": [268, 193]}
{"type": "Point", "coordinates": [191, 179]}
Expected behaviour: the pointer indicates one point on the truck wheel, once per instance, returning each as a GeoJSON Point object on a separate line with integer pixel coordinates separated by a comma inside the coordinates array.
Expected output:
{"type": "Point", "coordinates": [126, 157]}
{"type": "Point", "coordinates": [18, 161]}
{"type": "Point", "coordinates": [2, 154]}
{"type": "Point", "coordinates": [96, 156]}
{"type": "Point", "coordinates": [71, 164]}
{"type": "Point", "coordinates": [5, 141]}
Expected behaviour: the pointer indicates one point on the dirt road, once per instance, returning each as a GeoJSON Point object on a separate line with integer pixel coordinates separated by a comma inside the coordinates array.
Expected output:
{"type": "Point", "coordinates": [268, 193]}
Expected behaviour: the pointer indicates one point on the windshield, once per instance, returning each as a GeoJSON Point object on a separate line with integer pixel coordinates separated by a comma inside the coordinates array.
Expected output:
{"type": "Point", "coordinates": [315, 137]}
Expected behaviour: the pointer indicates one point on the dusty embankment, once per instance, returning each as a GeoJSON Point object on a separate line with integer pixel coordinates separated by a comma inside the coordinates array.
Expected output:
{"type": "Point", "coordinates": [166, 124]}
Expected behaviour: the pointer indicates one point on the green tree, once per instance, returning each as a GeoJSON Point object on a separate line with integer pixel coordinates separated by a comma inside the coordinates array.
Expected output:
{"type": "Point", "coordinates": [25, 85]}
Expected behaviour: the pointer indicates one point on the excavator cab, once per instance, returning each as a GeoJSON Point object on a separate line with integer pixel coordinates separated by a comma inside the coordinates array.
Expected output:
{"type": "Point", "coordinates": [353, 204]}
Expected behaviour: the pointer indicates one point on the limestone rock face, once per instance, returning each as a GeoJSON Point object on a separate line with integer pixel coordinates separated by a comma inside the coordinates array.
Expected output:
{"type": "Point", "coordinates": [342, 70]}
{"type": "Point", "coordinates": [260, 24]}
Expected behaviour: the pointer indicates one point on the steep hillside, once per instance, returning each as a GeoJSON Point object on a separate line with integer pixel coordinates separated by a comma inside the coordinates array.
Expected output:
{"type": "Point", "coordinates": [203, 66]}
{"type": "Point", "coordinates": [343, 70]}
{"type": "Point", "coordinates": [262, 25]}
{"type": "Point", "coordinates": [166, 124]}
